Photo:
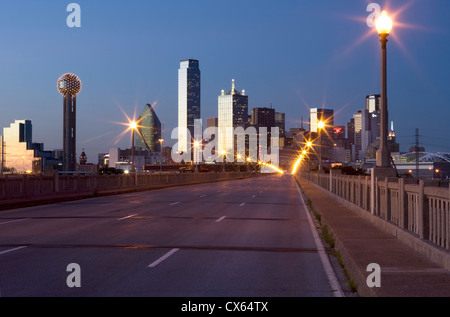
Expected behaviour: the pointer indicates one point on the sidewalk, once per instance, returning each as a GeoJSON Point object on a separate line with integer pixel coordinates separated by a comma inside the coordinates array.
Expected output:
{"type": "Point", "coordinates": [404, 272]}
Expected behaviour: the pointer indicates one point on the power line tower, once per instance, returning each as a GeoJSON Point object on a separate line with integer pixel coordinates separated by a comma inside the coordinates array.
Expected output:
{"type": "Point", "coordinates": [417, 153]}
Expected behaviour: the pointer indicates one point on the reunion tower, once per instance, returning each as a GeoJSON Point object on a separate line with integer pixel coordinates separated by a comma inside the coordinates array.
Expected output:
{"type": "Point", "coordinates": [69, 85]}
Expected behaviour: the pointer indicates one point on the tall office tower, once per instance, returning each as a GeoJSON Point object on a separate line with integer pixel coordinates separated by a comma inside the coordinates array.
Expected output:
{"type": "Point", "coordinates": [280, 122]}
{"type": "Point", "coordinates": [356, 150]}
{"type": "Point", "coordinates": [212, 122]}
{"type": "Point", "coordinates": [17, 154]}
{"type": "Point", "coordinates": [264, 117]}
{"type": "Point", "coordinates": [232, 113]}
{"type": "Point", "coordinates": [69, 85]}
{"type": "Point", "coordinates": [321, 114]}
{"type": "Point", "coordinates": [373, 102]}
{"type": "Point", "coordinates": [188, 101]}
{"type": "Point", "coordinates": [149, 130]}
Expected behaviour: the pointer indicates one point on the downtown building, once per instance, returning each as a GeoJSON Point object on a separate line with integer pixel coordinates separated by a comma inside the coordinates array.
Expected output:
{"type": "Point", "coordinates": [188, 102]}
{"type": "Point", "coordinates": [326, 115]}
{"type": "Point", "coordinates": [232, 113]}
{"type": "Point", "coordinates": [149, 136]}
{"type": "Point", "coordinates": [19, 154]}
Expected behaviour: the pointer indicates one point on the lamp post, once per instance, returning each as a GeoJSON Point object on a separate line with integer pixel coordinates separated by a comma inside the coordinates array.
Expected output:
{"type": "Point", "coordinates": [320, 126]}
{"type": "Point", "coordinates": [196, 155]}
{"type": "Point", "coordinates": [238, 157]}
{"type": "Point", "coordinates": [384, 27]}
{"type": "Point", "coordinates": [161, 141]}
{"type": "Point", "coordinates": [133, 126]}
{"type": "Point", "coordinates": [224, 157]}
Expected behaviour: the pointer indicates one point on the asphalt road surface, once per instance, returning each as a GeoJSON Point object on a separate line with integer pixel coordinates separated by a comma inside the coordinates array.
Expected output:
{"type": "Point", "coordinates": [245, 238]}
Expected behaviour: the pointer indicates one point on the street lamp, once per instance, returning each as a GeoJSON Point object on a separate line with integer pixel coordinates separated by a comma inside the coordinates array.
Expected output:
{"type": "Point", "coordinates": [224, 157]}
{"type": "Point", "coordinates": [161, 141]}
{"type": "Point", "coordinates": [320, 126]}
{"type": "Point", "coordinates": [196, 146]}
{"type": "Point", "coordinates": [239, 156]}
{"type": "Point", "coordinates": [384, 27]}
{"type": "Point", "coordinates": [133, 126]}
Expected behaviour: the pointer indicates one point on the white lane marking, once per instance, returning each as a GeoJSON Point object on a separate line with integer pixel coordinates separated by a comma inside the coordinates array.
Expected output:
{"type": "Point", "coordinates": [220, 219]}
{"type": "Point", "coordinates": [202, 196]}
{"type": "Point", "coordinates": [11, 250]}
{"type": "Point", "coordinates": [4, 223]}
{"type": "Point", "coordinates": [130, 216]}
{"type": "Point", "coordinates": [334, 283]}
{"type": "Point", "coordinates": [164, 257]}
{"type": "Point", "coordinates": [253, 196]}
{"type": "Point", "coordinates": [241, 204]}
{"type": "Point", "coordinates": [173, 204]}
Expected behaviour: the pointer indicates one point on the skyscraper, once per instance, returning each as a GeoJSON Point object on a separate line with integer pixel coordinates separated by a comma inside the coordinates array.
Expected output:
{"type": "Point", "coordinates": [17, 154]}
{"type": "Point", "coordinates": [188, 101]}
{"type": "Point", "coordinates": [149, 130]}
{"type": "Point", "coordinates": [373, 102]}
{"type": "Point", "coordinates": [264, 117]}
{"type": "Point", "coordinates": [280, 122]}
{"type": "Point", "coordinates": [321, 114]}
{"type": "Point", "coordinates": [232, 113]}
{"type": "Point", "coordinates": [69, 85]}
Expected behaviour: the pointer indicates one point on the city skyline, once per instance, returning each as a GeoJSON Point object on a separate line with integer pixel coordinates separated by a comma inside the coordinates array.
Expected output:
{"type": "Point", "coordinates": [326, 68]}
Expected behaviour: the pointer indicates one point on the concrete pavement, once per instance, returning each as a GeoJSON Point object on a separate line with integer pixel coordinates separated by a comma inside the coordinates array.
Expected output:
{"type": "Point", "coordinates": [404, 272]}
{"type": "Point", "coordinates": [246, 238]}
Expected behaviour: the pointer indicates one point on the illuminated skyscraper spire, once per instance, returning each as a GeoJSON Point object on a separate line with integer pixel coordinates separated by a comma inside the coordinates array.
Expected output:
{"type": "Point", "coordinates": [392, 133]}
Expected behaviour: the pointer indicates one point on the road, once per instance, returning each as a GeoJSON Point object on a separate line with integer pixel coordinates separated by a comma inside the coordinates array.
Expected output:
{"type": "Point", "coordinates": [245, 238]}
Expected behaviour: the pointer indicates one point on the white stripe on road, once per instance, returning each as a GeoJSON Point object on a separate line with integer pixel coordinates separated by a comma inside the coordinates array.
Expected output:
{"type": "Point", "coordinates": [220, 219]}
{"type": "Point", "coordinates": [130, 216]}
{"type": "Point", "coordinates": [4, 223]}
{"type": "Point", "coordinates": [202, 196]}
{"type": "Point", "coordinates": [329, 271]}
{"type": "Point", "coordinates": [164, 257]}
{"type": "Point", "coordinates": [253, 196]}
{"type": "Point", "coordinates": [241, 204]}
{"type": "Point", "coordinates": [11, 250]}
{"type": "Point", "coordinates": [173, 204]}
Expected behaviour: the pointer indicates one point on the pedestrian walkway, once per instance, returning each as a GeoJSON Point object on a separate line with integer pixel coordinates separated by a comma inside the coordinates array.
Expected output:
{"type": "Point", "coordinates": [404, 271]}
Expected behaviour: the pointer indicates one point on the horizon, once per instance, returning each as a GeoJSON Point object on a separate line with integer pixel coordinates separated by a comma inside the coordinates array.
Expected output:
{"type": "Point", "coordinates": [127, 60]}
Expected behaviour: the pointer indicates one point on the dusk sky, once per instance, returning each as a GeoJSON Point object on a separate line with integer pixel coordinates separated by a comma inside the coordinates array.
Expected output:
{"type": "Point", "coordinates": [294, 54]}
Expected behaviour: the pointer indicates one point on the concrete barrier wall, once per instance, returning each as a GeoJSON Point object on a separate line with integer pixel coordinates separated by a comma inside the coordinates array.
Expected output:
{"type": "Point", "coordinates": [27, 186]}
{"type": "Point", "coordinates": [423, 211]}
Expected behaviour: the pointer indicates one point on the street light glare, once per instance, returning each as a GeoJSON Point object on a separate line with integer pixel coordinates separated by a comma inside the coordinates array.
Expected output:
{"type": "Point", "coordinates": [133, 125]}
{"type": "Point", "coordinates": [384, 24]}
{"type": "Point", "coordinates": [321, 124]}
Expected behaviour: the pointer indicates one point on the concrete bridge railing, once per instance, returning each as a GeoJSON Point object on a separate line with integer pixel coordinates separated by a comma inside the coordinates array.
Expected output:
{"type": "Point", "coordinates": [28, 186]}
{"type": "Point", "coordinates": [420, 209]}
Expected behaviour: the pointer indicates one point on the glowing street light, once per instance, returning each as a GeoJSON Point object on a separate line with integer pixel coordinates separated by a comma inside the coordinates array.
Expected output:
{"type": "Point", "coordinates": [384, 26]}
{"type": "Point", "coordinates": [224, 156]}
{"type": "Point", "coordinates": [321, 126]}
{"type": "Point", "coordinates": [133, 126]}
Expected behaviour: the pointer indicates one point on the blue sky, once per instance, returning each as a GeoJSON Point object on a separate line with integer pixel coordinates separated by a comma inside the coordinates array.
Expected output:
{"type": "Point", "coordinates": [295, 54]}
